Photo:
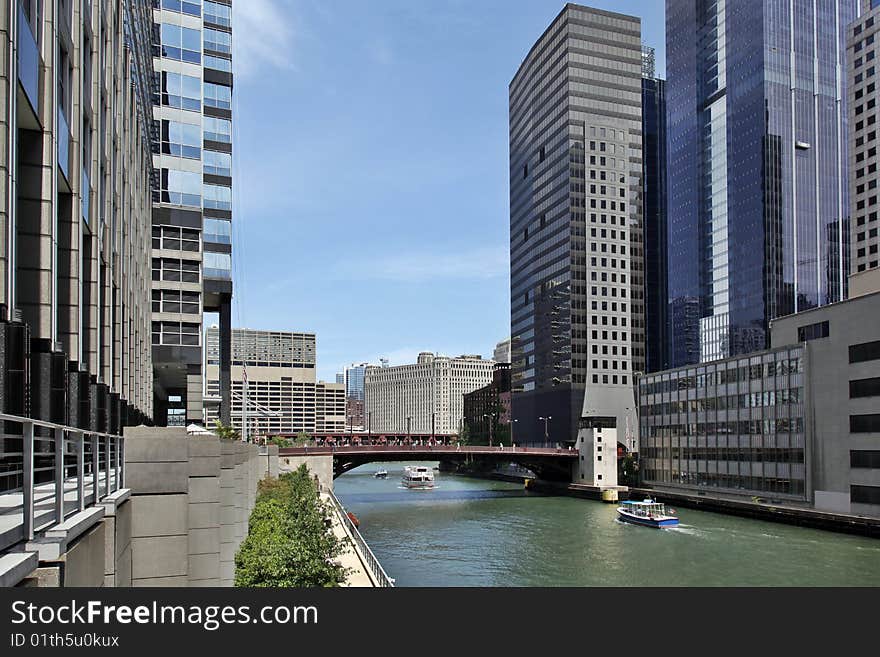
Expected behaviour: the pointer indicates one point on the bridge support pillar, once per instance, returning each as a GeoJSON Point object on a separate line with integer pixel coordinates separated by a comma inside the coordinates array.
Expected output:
{"type": "Point", "coordinates": [320, 465]}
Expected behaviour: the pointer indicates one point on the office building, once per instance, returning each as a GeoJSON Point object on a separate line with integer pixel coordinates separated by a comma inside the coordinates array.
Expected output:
{"type": "Point", "coordinates": [798, 422]}
{"type": "Point", "coordinates": [502, 351]}
{"type": "Point", "coordinates": [654, 202]}
{"type": "Point", "coordinates": [757, 141]}
{"type": "Point", "coordinates": [577, 315]}
{"type": "Point", "coordinates": [192, 214]}
{"type": "Point", "coordinates": [284, 396]}
{"type": "Point", "coordinates": [75, 217]}
{"type": "Point", "coordinates": [862, 96]}
{"type": "Point", "coordinates": [424, 396]}
{"type": "Point", "coordinates": [487, 410]}
{"type": "Point", "coordinates": [354, 380]}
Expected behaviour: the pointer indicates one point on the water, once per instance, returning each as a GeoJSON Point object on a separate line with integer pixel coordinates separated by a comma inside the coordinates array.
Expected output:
{"type": "Point", "coordinates": [471, 532]}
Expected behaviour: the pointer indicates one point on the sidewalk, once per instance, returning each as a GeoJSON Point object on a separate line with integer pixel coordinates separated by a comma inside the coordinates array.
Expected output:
{"type": "Point", "coordinates": [358, 575]}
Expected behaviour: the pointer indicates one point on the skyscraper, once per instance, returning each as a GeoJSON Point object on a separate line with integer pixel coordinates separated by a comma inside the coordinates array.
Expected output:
{"type": "Point", "coordinates": [757, 143]}
{"type": "Point", "coordinates": [192, 216]}
{"type": "Point", "coordinates": [654, 200]}
{"type": "Point", "coordinates": [577, 316]}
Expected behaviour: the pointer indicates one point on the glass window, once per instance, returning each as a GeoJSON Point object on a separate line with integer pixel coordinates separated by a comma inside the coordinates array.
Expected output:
{"type": "Point", "coordinates": [217, 164]}
{"type": "Point", "coordinates": [217, 197]}
{"type": "Point", "coordinates": [218, 41]}
{"type": "Point", "coordinates": [181, 187]}
{"type": "Point", "coordinates": [191, 7]}
{"type": "Point", "coordinates": [218, 63]}
{"type": "Point", "coordinates": [218, 129]}
{"type": "Point", "coordinates": [181, 91]}
{"type": "Point", "coordinates": [181, 43]}
{"type": "Point", "coordinates": [218, 14]}
{"type": "Point", "coordinates": [182, 139]}
{"type": "Point", "coordinates": [218, 231]}
{"type": "Point", "coordinates": [218, 265]}
{"type": "Point", "coordinates": [218, 95]}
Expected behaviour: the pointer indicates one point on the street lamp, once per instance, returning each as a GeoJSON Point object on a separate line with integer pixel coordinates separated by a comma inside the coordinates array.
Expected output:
{"type": "Point", "coordinates": [546, 433]}
{"type": "Point", "coordinates": [512, 424]}
{"type": "Point", "coordinates": [408, 432]}
{"type": "Point", "coordinates": [491, 416]}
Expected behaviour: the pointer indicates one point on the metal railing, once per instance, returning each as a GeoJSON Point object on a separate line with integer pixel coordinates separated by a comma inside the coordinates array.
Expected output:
{"type": "Point", "coordinates": [50, 471]}
{"type": "Point", "coordinates": [366, 554]}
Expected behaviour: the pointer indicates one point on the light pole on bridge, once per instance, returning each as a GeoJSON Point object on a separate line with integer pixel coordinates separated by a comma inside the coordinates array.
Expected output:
{"type": "Point", "coordinates": [546, 433]}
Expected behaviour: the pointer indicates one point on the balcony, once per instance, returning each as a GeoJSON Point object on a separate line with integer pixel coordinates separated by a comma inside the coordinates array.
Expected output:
{"type": "Point", "coordinates": [63, 144]}
{"type": "Point", "coordinates": [28, 61]}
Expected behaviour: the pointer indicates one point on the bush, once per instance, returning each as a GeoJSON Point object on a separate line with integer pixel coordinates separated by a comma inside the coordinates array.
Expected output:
{"type": "Point", "coordinates": [290, 542]}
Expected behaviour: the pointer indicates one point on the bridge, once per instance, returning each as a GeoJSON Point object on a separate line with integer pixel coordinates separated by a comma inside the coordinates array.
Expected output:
{"type": "Point", "coordinates": [552, 464]}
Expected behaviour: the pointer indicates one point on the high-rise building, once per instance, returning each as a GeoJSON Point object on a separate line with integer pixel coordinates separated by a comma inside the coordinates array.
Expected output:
{"type": "Point", "coordinates": [284, 396]}
{"type": "Point", "coordinates": [862, 96]}
{"type": "Point", "coordinates": [654, 202]}
{"type": "Point", "coordinates": [354, 380]}
{"type": "Point", "coordinates": [192, 215]}
{"type": "Point", "coordinates": [502, 351]}
{"type": "Point", "coordinates": [75, 171]}
{"type": "Point", "coordinates": [424, 395]}
{"type": "Point", "coordinates": [577, 315]}
{"type": "Point", "coordinates": [757, 142]}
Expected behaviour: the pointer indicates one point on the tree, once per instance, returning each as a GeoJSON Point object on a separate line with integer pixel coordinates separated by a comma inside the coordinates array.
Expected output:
{"type": "Point", "coordinates": [464, 436]}
{"type": "Point", "coordinates": [302, 439]}
{"type": "Point", "coordinates": [290, 542]}
{"type": "Point", "coordinates": [226, 431]}
{"type": "Point", "coordinates": [280, 441]}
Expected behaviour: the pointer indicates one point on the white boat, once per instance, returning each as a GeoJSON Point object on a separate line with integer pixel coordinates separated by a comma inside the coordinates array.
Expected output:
{"type": "Point", "coordinates": [647, 513]}
{"type": "Point", "coordinates": [418, 477]}
{"type": "Point", "coordinates": [381, 474]}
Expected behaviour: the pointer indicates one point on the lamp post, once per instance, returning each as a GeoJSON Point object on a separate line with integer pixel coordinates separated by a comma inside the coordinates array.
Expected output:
{"type": "Point", "coordinates": [512, 424]}
{"type": "Point", "coordinates": [370, 425]}
{"type": "Point", "coordinates": [432, 425]}
{"type": "Point", "coordinates": [408, 432]}
{"type": "Point", "coordinates": [546, 432]}
{"type": "Point", "coordinates": [491, 417]}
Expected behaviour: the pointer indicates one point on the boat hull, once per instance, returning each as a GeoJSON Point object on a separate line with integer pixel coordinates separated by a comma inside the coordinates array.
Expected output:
{"type": "Point", "coordinates": [647, 522]}
{"type": "Point", "coordinates": [418, 484]}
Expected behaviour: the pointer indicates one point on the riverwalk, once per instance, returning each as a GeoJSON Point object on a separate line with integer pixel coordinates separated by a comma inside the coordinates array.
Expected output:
{"type": "Point", "coordinates": [358, 574]}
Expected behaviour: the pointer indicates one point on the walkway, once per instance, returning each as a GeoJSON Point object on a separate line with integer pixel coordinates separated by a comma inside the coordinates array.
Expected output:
{"type": "Point", "coordinates": [358, 574]}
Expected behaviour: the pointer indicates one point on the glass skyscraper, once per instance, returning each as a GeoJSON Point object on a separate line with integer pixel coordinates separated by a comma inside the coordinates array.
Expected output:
{"type": "Point", "coordinates": [576, 262]}
{"type": "Point", "coordinates": [757, 152]}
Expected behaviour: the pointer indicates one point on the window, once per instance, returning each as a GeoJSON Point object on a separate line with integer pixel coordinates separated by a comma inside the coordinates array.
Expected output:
{"type": "Point", "coordinates": [868, 423]}
{"type": "Point", "coordinates": [181, 43]}
{"type": "Point", "coordinates": [218, 63]}
{"type": "Point", "coordinates": [860, 353]}
{"type": "Point", "coordinates": [218, 41]}
{"type": "Point", "coordinates": [217, 197]}
{"type": "Point", "coordinates": [218, 231]}
{"type": "Point", "coordinates": [218, 14]}
{"type": "Point", "coordinates": [864, 388]}
{"type": "Point", "coordinates": [218, 265]}
{"type": "Point", "coordinates": [176, 301]}
{"type": "Point", "coordinates": [181, 187]}
{"type": "Point", "coordinates": [218, 95]}
{"type": "Point", "coordinates": [181, 139]}
{"type": "Point", "coordinates": [175, 270]}
{"type": "Point", "coordinates": [217, 164]}
{"type": "Point", "coordinates": [191, 7]}
{"type": "Point", "coordinates": [864, 494]}
{"type": "Point", "coordinates": [217, 129]}
{"type": "Point", "coordinates": [176, 333]}
{"type": "Point", "coordinates": [813, 331]}
{"type": "Point", "coordinates": [181, 91]}
{"type": "Point", "coordinates": [866, 458]}
{"type": "Point", "coordinates": [175, 239]}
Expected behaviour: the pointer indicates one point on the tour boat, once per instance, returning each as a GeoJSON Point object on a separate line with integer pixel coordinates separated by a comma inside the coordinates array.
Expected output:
{"type": "Point", "coordinates": [381, 474]}
{"type": "Point", "coordinates": [648, 513]}
{"type": "Point", "coordinates": [418, 477]}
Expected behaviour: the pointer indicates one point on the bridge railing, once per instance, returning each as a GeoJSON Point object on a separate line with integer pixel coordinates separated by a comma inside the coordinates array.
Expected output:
{"type": "Point", "coordinates": [369, 559]}
{"type": "Point", "coordinates": [50, 471]}
{"type": "Point", "coordinates": [445, 449]}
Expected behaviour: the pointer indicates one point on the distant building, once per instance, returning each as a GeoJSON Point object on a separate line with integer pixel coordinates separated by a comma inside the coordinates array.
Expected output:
{"type": "Point", "coordinates": [409, 397]}
{"type": "Point", "coordinates": [502, 351]}
{"type": "Point", "coordinates": [284, 396]}
{"type": "Point", "coordinates": [354, 380]}
{"type": "Point", "coordinates": [487, 409]}
{"type": "Point", "coordinates": [798, 423]}
{"type": "Point", "coordinates": [340, 377]}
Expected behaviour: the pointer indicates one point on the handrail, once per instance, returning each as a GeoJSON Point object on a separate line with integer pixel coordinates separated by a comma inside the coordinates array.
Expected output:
{"type": "Point", "coordinates": [106, 450]}
{"type": "Point", "coordinates": [379, 575]}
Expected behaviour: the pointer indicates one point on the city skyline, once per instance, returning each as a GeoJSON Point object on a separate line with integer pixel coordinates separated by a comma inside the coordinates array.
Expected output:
{"type": "Point", "coordinates": [444, 275]}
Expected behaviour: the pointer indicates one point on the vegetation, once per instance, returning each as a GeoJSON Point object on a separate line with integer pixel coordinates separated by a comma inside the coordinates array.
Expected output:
{"type": "Point", "coordinates": [302, 439]}
{"type": "Point", "coordinates": [290, 542]}
{"type": "Point", "coordinates": [226, 431]}
{"type": "Point", "coordinates": [280, 441]}
{"type": "Point", "coordinates": [464, 436]}
{"type": "Point", "coordinates": [628, 471]}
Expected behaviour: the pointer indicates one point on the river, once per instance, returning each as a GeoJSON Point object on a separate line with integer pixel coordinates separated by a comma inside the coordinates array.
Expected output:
{"type": "Point", "coordinates": [473, 532]}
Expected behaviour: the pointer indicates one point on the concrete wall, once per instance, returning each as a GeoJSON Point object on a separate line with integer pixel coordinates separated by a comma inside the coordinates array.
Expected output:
{"type": "Point", "coordinates": [318, 465]}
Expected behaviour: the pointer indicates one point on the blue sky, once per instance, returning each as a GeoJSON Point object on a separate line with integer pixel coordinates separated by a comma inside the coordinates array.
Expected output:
{"type": "Point", "coordinates": [371, 169]}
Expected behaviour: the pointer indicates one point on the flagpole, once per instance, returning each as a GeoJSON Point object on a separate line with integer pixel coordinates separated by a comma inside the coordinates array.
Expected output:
{"type": "Point", "coordinates": [244, 403]}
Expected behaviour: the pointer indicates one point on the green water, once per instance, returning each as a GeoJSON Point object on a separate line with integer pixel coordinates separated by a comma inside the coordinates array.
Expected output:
{"type": "Point", "coordinates": [470, 532]}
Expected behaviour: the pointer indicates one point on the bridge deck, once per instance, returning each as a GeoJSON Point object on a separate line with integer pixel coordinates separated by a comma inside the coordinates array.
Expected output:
{"type": "Point", "coordinates": [426, 450]}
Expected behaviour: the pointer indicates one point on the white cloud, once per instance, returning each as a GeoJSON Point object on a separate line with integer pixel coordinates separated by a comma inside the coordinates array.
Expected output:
{"type": "Point", "coordinates": [264, 36]}
{"type": "Point", "coordinates": [428, 265]}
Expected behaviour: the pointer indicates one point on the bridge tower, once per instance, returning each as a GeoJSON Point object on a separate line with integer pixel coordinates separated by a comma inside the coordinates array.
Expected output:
{"type": "Point", "coordinates": [597, 449]}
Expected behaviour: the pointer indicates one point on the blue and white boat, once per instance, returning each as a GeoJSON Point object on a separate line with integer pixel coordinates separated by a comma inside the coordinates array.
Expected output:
{"type": "Point", "coordinates": [648, 513]}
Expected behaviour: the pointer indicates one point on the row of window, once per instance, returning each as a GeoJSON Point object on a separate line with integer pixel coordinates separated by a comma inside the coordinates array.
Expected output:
{"type": "Point", "coordinates": [176, 301]}
{"type": "Point", "coordinates": [186, 188]}
{"type": "Point", "coordinates": [764, 427]}
{"type": "Point", "coordinates": [744, 454]}
{"type": "Point", "coordinates": [868, 423]}
{"type": "Point", "coordinates": [864, 458]}
{"type": "Point", "coordinates": [176, 333]}
{"type": "Point", "coordinates": [743, 373]}
{"type": "Point", "coordinates": [728, 481]}
{"type": "Point", "coordinates": [184, 44]}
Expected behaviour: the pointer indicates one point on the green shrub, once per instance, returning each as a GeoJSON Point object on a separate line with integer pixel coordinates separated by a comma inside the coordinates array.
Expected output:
{"type": "Point", "coordinates": [290, 542]}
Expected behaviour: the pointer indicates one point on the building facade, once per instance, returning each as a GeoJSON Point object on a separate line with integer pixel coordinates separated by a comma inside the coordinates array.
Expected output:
{"type": "Point", "coordinates": [502, 351]}
{"type": "Point", "coordinates": [654, 201]}
{"type": "Point", "coordinates": [577, 271]}
{"type": "Point", "coordinates": [192, 215]}
{"type": "Point", "coordinates": [758, 205]}
{"type": "Point", "coordinates": [425, 396]}
{"type": "Point", "coordinates": [798, 423]}
{"type": "Point", "coordinates": [284, 396]}
{"type": "Point", "coordinates": [76, 142]}
{"type": "Point", "coordinates": [863, 95]}
{"type": "Point", "coordinates": [487, 410]}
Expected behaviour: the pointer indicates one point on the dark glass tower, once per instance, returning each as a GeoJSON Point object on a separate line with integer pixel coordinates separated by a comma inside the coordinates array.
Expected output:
{"type": "Point", "coordinates": [577, 268]}
{"type": "Point", "coordinates": [757, 146]}
{"type": "Point", "coordinates": [654, 200]}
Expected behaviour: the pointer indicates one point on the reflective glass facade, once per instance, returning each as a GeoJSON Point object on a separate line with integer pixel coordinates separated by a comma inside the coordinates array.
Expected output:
{"type": "Point", "coordinates": [577, 316]}
{"type": "Point", "coordinates": [757, 139]}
